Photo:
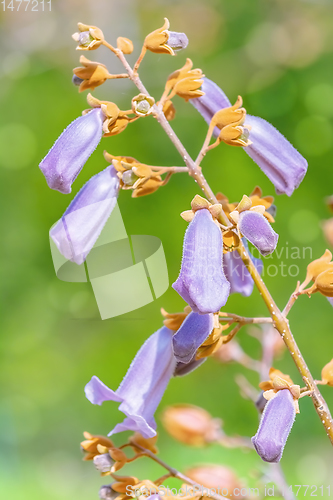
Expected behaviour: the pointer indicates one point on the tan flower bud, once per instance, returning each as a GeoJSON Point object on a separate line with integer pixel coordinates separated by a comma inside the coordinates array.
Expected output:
{"type": "Point", "coordinates": [125, 45]}
{"type": "Point", "coordinates": [92, 442]}
{"type": "Point", "coordinates": [169, 110]}
{"type": "Point", "coordinates": [142, 104]}
{"type": "Point", "coordinates": [327, 226]}
{"type": "Point", "coordinates": [148, 443]}
{"type": "Point", "coordinates": [217, 477]}
{"type": "Point", "coordinates": [92, 74]}
{"type": "Point", "coordinates": [88, 37]}
{"type": "Point", "coordinates": [327, 374]}
{"type": "Point", "coordinates": [191, 424]}
{"type": "Point", "coordinates": [163, 41]}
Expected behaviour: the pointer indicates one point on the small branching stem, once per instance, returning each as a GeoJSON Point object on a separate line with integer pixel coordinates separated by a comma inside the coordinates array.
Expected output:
{"type": "Point", "coordinates": [280, 321]}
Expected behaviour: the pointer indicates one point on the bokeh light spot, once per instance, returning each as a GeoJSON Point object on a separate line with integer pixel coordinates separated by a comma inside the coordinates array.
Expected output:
{"type": "Point", "coordinates": [18, 146]}
{"type": "Point", "coordinates": [304, 226]}
{"type": "Point", "coordinates": [314, 135]}
{"type": "Point", "coordinates": [319, 99]}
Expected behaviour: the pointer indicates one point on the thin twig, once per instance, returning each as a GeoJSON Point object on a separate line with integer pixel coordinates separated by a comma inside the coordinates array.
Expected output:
{"type": "Point", "coordinates": [174, 472]}
{"type": "Point", "coordinates": [279, 320]}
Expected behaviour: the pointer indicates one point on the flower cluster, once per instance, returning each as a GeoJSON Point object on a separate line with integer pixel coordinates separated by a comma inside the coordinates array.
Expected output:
{"type": "Point", "coordinates": [216, 261]}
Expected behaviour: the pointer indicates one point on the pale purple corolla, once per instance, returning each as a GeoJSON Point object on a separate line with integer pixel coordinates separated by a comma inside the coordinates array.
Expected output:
{"type": "Point", "coordinates": [192, 333]}
{"type": "Point", "coordinates": [275, 155]}
{"type": "Point", "coordinates": [258, 231]}
{"type": "Point", "coordinates": [275, 425]}
{"type": "Point", "coordinates": [78, 229]}
{"type": "Point", "coordinates": [64, 161]}
{"type": "Point", "coordinates": [201, 281]}
{"type": "Point", "coordinates": [237, 274]}
{"type": "Point", "coordinates": [141, 390]}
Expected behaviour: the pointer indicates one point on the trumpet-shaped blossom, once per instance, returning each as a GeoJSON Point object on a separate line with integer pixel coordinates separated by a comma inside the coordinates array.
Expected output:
{"type": "Point", "coordinates": [237, 274]}
{"type": "Point", "coordinates": [201, 281]}
{"type": "Point", "coordinates": [64, 161]}
{"type": "Point", "coordinates": [141, 390]}
{"type": "Point", "coordinates": [78, 229]}
{"type": "Point", "coordinates": [275, 425]}
{"type": "Point", "coordinates": [256, 228]}
{"type": "Point", "coordinates": [186, 368]}
{"type": "Point", "coordinates": [192, 333]}
{"type": "Point", "coordinates": [277, 158]}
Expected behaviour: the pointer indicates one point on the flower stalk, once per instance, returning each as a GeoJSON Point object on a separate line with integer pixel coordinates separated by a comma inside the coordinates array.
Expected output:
{"type": "Point", "coordinates": [279, 320]}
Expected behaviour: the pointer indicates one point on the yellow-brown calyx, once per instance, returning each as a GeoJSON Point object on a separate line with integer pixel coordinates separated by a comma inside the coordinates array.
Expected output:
{"type": "Point", "coordinates": [134, 175]}
{"type": "Point", "coordinates": [122, 482]}
{"type": "Point", "coordinates": [115, 120]}
{"type": "Point", "coordinates": [277, 382]}
{"type": "Point", "coordinates": [93, 74]}
{"type": "Point", "coordinates": [142, 104]}
{"type": "Point", "coordinates": [327, 374]}
{"type": "Point", "coordinates": [244, 205]}
{"type": "Point", "coordinates": [257, 200]}
{"type": "Point", "coordinates": [198, 203]}
{"type": "Point", "coordinates": [212, 343]}
{"type": "Point", "coordinates": [88, 37]}
{"type": "Point", "coordinates": [321, 272]}
{"type": "Point", "coordinates": [185, 82]}
{"type": "Point", "coordinates": [147, 443]}
{"type": "Point", "coordinates": [157, 40]}
{"type": "Point", "coordinates": [174, 321]}
{"type": "Point", "coordinates": [125, 45]}
{"type": "Point", "coordinates": [89, 445]}
{"type": "Point", "coordinates": [169, 110]}
{"type": "Point", "coordinates": [118, 457]}
{"type": "Point", "coordinates": [230, 121]}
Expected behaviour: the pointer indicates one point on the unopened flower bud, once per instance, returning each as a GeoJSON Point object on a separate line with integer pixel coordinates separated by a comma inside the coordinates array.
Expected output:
{"type": "Point", "coordinates": [129, 178]}
{"type": "Point", "coordinates": [177, 41]}
{"type": "Point", "coordinates": [107, 493]}
{"type": "Point", "coordinates": [77, 81]}
{"type": "Point", "coordinates": [85, 38]}
{"type": "Point", "coordinates": [103, 462]}
{"type": "Point", "coordinates": [327, 373]}
{"type": "Point", "coordinates": [191, 425]}
{"type": "Point", "coordinates": [217, 477]}
{"type": "Point", "coordinates": [142, 104]}
{"type": "Point", "coordinates": [125, 45]}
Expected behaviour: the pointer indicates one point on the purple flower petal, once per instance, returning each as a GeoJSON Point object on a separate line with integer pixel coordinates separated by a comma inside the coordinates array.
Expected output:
{"type": "Point", "coordinates": [77, 231]}
{"type": "Point", "coordinates": [275, 425]}
{"type": "Point", "coordinates": [201, 281]}
{"type": "Point", "coordinates": [64, 161]}
{"type": "Point", "coordinates": [275, 155]}
{"type": "Point", "coordinates": [192, 333]}
{"type": "Point", "coordinates": [186, 368]}
{"type": "Point", "coordinates": [142, 388]}
{"type": "Point", "coordinates": [256, 228]}
{"type": "Point", "coordinates": [278, 159]}
{"type": "Point", "coordinates": [237, 274]}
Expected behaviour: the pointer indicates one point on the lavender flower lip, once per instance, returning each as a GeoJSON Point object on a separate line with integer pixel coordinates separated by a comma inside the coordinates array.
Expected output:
{"type": "Point", "coordinates": [237, 274]}
{"type": "Point", "coordinates": [201, 281]}
{"type": "Point", "coordinates": [192, 333]}
{"type": "Point", "coordinates": [77, 231]}
{"type": "Point", "coordinates": [256, 228]}
{"type": "Point", "coordinates": [275, 425]}
{"type": "Point", "coordinates": [69, 153]}
{"type": "Point", "coordinates": [141, 390]}
{"type": "Point", "coordinates": [275, 155]}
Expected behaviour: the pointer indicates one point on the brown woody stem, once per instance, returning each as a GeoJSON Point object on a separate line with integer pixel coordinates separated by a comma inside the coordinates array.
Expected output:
{"type": "Point", "coordinates": [280, 322]}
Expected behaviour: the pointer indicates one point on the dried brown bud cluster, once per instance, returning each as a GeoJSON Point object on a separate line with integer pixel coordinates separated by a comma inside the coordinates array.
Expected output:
{"type": "Point", "coordinates": [191, 425]}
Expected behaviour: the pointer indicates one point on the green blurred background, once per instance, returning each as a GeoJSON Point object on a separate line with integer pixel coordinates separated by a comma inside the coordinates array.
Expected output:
{"type": "Point", "coordinates": [278, 55]}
